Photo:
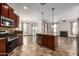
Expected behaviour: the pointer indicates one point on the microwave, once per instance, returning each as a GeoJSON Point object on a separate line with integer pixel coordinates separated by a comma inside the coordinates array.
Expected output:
{"type": "Point", "coordinates": [6, 22]}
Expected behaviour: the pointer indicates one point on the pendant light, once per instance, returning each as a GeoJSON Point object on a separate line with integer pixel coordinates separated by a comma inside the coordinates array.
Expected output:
{"type": "Point", "coordinates": [53, 15]}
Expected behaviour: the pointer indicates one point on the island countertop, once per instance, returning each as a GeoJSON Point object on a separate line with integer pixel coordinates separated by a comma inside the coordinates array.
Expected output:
{"type": "Point", "coordinates": [47, 34]}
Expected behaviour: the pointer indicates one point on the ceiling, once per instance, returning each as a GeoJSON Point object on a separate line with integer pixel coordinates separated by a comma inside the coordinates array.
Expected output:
{"type": "Point", "coordinates": [33, 11]}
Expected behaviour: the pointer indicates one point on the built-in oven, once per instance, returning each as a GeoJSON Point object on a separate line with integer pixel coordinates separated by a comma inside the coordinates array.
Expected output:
{"type": "Point", "coordinates": [6, 21]}
{"type": "Point", "coordinates": [11, 40]}
{"type": "Point", "coordinates": [12, 44]}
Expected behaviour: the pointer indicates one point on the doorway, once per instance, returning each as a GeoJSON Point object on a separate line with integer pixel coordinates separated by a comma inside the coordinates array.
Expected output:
{"type": "Point", "coordinates": [34, 31]}
{"type": "Point", "coordinates": [29, 33]}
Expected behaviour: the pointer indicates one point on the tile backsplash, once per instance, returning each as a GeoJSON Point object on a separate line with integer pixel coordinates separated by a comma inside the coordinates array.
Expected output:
{"type": "Point", "coordinates": [7, 29]}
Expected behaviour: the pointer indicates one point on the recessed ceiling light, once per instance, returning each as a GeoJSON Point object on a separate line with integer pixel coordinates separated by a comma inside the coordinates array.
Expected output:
{"type": "Point", "coordinates": [25, 7]}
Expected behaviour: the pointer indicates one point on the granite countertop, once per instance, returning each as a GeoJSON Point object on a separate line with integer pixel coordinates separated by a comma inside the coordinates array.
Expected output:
{"type": "Point", "coordinates": [19, 34]}
{"type": "Point", "coordinates": [2, 38]}
{"type": "Point", "coordinates": [47, 34]}
{"type": "Point", "coordinates": [19, 31]}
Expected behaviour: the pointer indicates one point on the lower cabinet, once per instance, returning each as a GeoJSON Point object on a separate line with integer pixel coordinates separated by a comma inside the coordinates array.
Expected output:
{"type": "Point", "coordinates": [20, 39]}
{"type": "Point", "coordinates": [7, 47]}
{"type": "Point", "coordinates": [2, 47]}
{"type": "Point", "coordinates": [49, 41]}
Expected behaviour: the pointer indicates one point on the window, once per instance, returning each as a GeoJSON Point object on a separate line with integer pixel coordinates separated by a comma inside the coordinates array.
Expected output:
{"type": "Point", "coordinates": [55, 28]}
{"type": "Point", "coordinates": [34, 29]}
{"type": "Point", "coordinates": [24, 28]}
{"type": "Point", "coordinates": [74, 28]}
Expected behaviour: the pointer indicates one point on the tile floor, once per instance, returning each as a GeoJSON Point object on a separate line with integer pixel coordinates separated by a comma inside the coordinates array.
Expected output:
{"type": "Point", "coordinates": [66, 47]}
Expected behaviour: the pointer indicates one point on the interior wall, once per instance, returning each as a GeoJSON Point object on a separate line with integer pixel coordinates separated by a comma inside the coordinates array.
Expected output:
{"type": "Point", "coordinates": [65, 26]}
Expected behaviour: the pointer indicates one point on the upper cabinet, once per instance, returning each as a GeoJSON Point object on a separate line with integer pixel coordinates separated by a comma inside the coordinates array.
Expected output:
{"type": "Point", "coordinates": [16, 20]}
{"type": "Point", "coordinates": [4, 9]}
{"type": "Point", "coordinates": [8, 12]}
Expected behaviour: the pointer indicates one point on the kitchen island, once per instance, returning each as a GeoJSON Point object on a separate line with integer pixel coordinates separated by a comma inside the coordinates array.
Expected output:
{"type": "Point", "coordinates": [47, 40]}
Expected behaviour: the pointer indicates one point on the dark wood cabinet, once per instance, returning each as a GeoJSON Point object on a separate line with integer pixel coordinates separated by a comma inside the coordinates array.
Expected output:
{"type": "Point", "coordinates": [7, 47]}
{"type": "Point", "coordinates": [7, 11]}
{"type": "Point", "coordinates": [16, 21]}
{"type": "Point", "coordinates": [2, 46]}
{"type": "Point", "coordinates": [4, 9]}
{"type": "Point", "coordinates": [14, 16]}
{"type": "Point", "coordinates": [10, 13]}
{"type": "Point", "coordinates": [49, 41]}
{"type": "Point", "coordinates": [20, 39]}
